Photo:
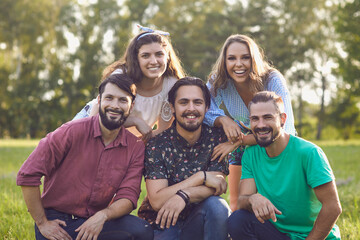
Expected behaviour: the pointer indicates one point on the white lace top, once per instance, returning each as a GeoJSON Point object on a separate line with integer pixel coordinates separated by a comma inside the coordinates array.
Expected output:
{"type": "Point", "coordinates": [149, 108]}
{"type": "Point", "coordinates": [146, 108]}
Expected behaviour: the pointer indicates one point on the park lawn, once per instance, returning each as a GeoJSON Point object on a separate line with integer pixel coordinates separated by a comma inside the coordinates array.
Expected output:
{"type": "Point", "coordinates": [16, 222]}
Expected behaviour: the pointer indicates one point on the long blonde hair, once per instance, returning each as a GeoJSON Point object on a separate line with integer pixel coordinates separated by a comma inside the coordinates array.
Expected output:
{"type": "Point", "coordinates": [129, 61]}
{"type": "Point", "coordinates": [259, 71]}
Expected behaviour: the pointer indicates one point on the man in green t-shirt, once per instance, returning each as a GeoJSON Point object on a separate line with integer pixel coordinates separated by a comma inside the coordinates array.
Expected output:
{"type": "Point", "coordinates": [287, 188]}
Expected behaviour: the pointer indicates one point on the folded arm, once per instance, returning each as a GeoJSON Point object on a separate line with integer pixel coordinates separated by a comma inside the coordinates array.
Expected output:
{"type": "Point", "coordinates": [163, 198]}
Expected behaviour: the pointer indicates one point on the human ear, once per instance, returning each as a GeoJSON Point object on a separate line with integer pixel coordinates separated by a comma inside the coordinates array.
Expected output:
{"type": "Point", "coordinates": [283, 117]}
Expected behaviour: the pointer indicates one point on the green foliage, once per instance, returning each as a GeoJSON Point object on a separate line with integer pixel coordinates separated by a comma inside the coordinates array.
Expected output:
{"type": "Point", "coordinates": [16, 222]}
{"type": "Point", "coordinates": [52, 52]}
{"type": "Point", "coordinates": [345, 113]}
{"type": "Point", "coordinates": [347, 27]}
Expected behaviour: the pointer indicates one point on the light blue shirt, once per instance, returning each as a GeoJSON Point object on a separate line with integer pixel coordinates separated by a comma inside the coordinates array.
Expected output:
{"type": "Point", "coordinates": [237, 108]}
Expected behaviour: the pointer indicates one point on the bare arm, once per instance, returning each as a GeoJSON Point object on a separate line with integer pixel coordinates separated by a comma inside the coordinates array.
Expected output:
{"type": "Point", "coordinates": [250, 200]}
{"type": "Point", "coordinates": [223, 149]}
{"type": "Point", "coordinates": [162, 125]}
{"type": "Point", "coordinates": [329, 213]}
{"type": "Point", "coordinates": [49, 229]}
{"type": "Point", "coordinates": [141, 126]}
{"type": "Point", "coordinates": [159, 191]}
{"type": "Point", "coordinates": [94, 110]}
{"type": "Point", "coordinates": [92, 227]}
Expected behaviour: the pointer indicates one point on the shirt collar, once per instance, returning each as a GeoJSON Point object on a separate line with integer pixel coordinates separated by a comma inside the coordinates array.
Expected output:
{"type": "Point", "coordinates": [182, 141]}
{"type": "Point", "coordinates": [119, 140]}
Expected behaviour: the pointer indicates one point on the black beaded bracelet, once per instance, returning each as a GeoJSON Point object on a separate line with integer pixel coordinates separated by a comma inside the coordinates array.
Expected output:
{"type": "Point", "coordinates": [204, 182]}
{"type": "Point", "coordinates": [184, 196]}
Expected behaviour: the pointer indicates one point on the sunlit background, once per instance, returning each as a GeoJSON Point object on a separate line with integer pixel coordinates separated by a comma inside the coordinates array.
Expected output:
{"type": "Point", "coordinates": [52, 53]}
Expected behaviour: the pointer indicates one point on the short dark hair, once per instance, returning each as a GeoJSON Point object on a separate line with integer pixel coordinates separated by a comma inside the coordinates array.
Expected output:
{"type": "Point", "coordinates": [266, 96]}
{"type": "Point", "coordinates": [189, 81]}
{"type": "Point", "coordinates": [123, 81]}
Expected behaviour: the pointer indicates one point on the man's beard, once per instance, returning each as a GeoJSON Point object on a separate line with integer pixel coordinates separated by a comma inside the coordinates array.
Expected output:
{"type": "Point", "coordinates": [110, 123]}
{"type": "Point", "coordinates": [189, 127]}
{"type": "Point", "coordinates": [266, 142]}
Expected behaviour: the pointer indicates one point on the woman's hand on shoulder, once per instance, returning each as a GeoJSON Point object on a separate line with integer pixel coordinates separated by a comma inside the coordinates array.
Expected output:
{"type": "Point", "coordinates": [231, 129]}
{"type": "Point", "coordinates": [223, 149]}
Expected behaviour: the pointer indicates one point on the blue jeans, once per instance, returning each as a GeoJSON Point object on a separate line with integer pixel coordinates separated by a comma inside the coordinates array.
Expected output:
{"type": "Point", "coordinates": [243, 225]}
{"type": "Point", "coordinates": [207, 221]}
{"type": "Point", "coordinates": [126, 227]}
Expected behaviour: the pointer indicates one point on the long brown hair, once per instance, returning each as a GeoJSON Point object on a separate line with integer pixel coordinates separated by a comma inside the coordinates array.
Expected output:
{"type": "Point", "coordinates": [259, 71]}
{"type": "Point", "coordinates": [129, 61]}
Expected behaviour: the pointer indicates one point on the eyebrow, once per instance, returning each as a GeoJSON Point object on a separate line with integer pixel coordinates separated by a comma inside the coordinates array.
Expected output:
{"type": "Point", "coordinates": [187, 99]}
{"type": "Point", "coordinates": [265, 115]}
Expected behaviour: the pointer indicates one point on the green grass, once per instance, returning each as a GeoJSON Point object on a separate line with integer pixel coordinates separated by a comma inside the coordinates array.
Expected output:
{"type": "Point", "coordinates": [16, 222]}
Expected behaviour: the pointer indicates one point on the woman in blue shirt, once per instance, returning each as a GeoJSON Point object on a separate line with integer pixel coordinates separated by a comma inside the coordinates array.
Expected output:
{"type": "Point", "coordinates": [239, 72]}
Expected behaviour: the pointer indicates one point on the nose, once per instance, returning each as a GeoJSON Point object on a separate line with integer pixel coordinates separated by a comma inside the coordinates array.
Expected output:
{"type": "Point", "coordinates": [261, 123]}
{"type": "Point", "coordinates": [153, 59]}
{"type": "Point", "coordinates": [115, 104]}
{"type": "Point", "coordinates": [191, 106]}
{"type": "Point", "coordinates": [238, 62]}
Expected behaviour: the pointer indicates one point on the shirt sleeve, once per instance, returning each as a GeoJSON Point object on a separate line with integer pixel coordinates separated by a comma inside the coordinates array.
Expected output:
{"type": "Point", "coordinates": [246, 171]}
{"type": "Point", "coordinates": [130, 186]}
{"type": "Point", "coordinates": [154, 161]}
{"type": "Point", "coordinates": [277, 84]}
{"type": "Point", "coordinates": [214, 110]}
{"type": "Point", "coordinates": [85, 112]}
{"type": "Point", "coordinates": [46, 157]}
{"type": "Point", "coordinates": [318, 170]}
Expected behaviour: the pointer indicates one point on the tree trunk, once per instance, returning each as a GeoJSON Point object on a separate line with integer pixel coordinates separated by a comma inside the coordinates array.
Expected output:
{"type": "Point", "coordinates": [322, 108]}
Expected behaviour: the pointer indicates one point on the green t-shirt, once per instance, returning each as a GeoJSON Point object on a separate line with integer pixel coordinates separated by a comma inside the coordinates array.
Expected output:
{"type": "Point", "coordinates": [288, 181]}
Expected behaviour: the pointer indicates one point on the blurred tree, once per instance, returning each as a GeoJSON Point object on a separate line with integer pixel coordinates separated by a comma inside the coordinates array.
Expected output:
{"type": "Point", "coordinates": [27, 33]}
{"type": "Point", "coordinates": [345, 112]}
{"type": "Point", "coordinates": [52, 52]}
{"type": "Point", "coordinates": [347, 27]}
{"type": "Point", "coordinates": [345, 105]}
{"type": "Point", "coordinates": [197, 30]}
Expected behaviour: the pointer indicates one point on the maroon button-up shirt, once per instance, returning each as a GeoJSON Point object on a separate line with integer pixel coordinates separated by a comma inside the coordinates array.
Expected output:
{"type": "Point", "coordinates": [81, 175]}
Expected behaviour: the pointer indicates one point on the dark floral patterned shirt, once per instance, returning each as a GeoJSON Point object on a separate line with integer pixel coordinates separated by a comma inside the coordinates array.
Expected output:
{"type": "Point", "coordinates": [169, 156]}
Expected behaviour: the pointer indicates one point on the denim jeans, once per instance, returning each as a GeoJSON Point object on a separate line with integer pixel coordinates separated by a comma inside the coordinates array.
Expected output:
{"type": "Point", "coordinates": [207, 221]}
{"type": "Point", "coordinates": [126, 227]}
{"type": "Point", "coordinates": [243, 225]}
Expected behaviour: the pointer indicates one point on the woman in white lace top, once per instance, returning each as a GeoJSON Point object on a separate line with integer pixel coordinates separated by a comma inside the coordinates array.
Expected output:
{"type": "Point", "coordinates": [152, 63]}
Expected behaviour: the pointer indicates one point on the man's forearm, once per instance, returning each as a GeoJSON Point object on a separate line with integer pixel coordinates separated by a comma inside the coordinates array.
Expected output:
{"type": "Point", "coordinates": [199, 193]}
{"type": "Point", "coordinates": [33, 202]}
{"type": "Point", "coordinates": [249, 140]}
{"type": "Point", "coordinates": [118, 209]}
{"type": "Point", "coordinates": [158, 198]}
{"type": "Point", "coordinates": [325, 221]}
{"type": "Point", "coordinates": [244, 202]}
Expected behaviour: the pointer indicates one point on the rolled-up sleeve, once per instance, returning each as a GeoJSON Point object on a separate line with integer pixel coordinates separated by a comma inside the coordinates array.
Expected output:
{"type": "Point", "coordinates": [277, 84]}
{"type": "Point", "coordinates": [45, 158]}
{"type": "Point", "coordinates": [214, 109]}
{"type": "Point", "coordinates": [131, 184]}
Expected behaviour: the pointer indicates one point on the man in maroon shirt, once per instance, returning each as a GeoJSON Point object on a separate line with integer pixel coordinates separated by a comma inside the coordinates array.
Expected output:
{"type": "Point", "coordinates": [92, 170]}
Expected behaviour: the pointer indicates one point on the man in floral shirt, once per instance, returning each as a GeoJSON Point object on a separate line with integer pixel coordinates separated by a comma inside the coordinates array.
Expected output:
{"type": "Point", "coordinates": [182, 181]}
